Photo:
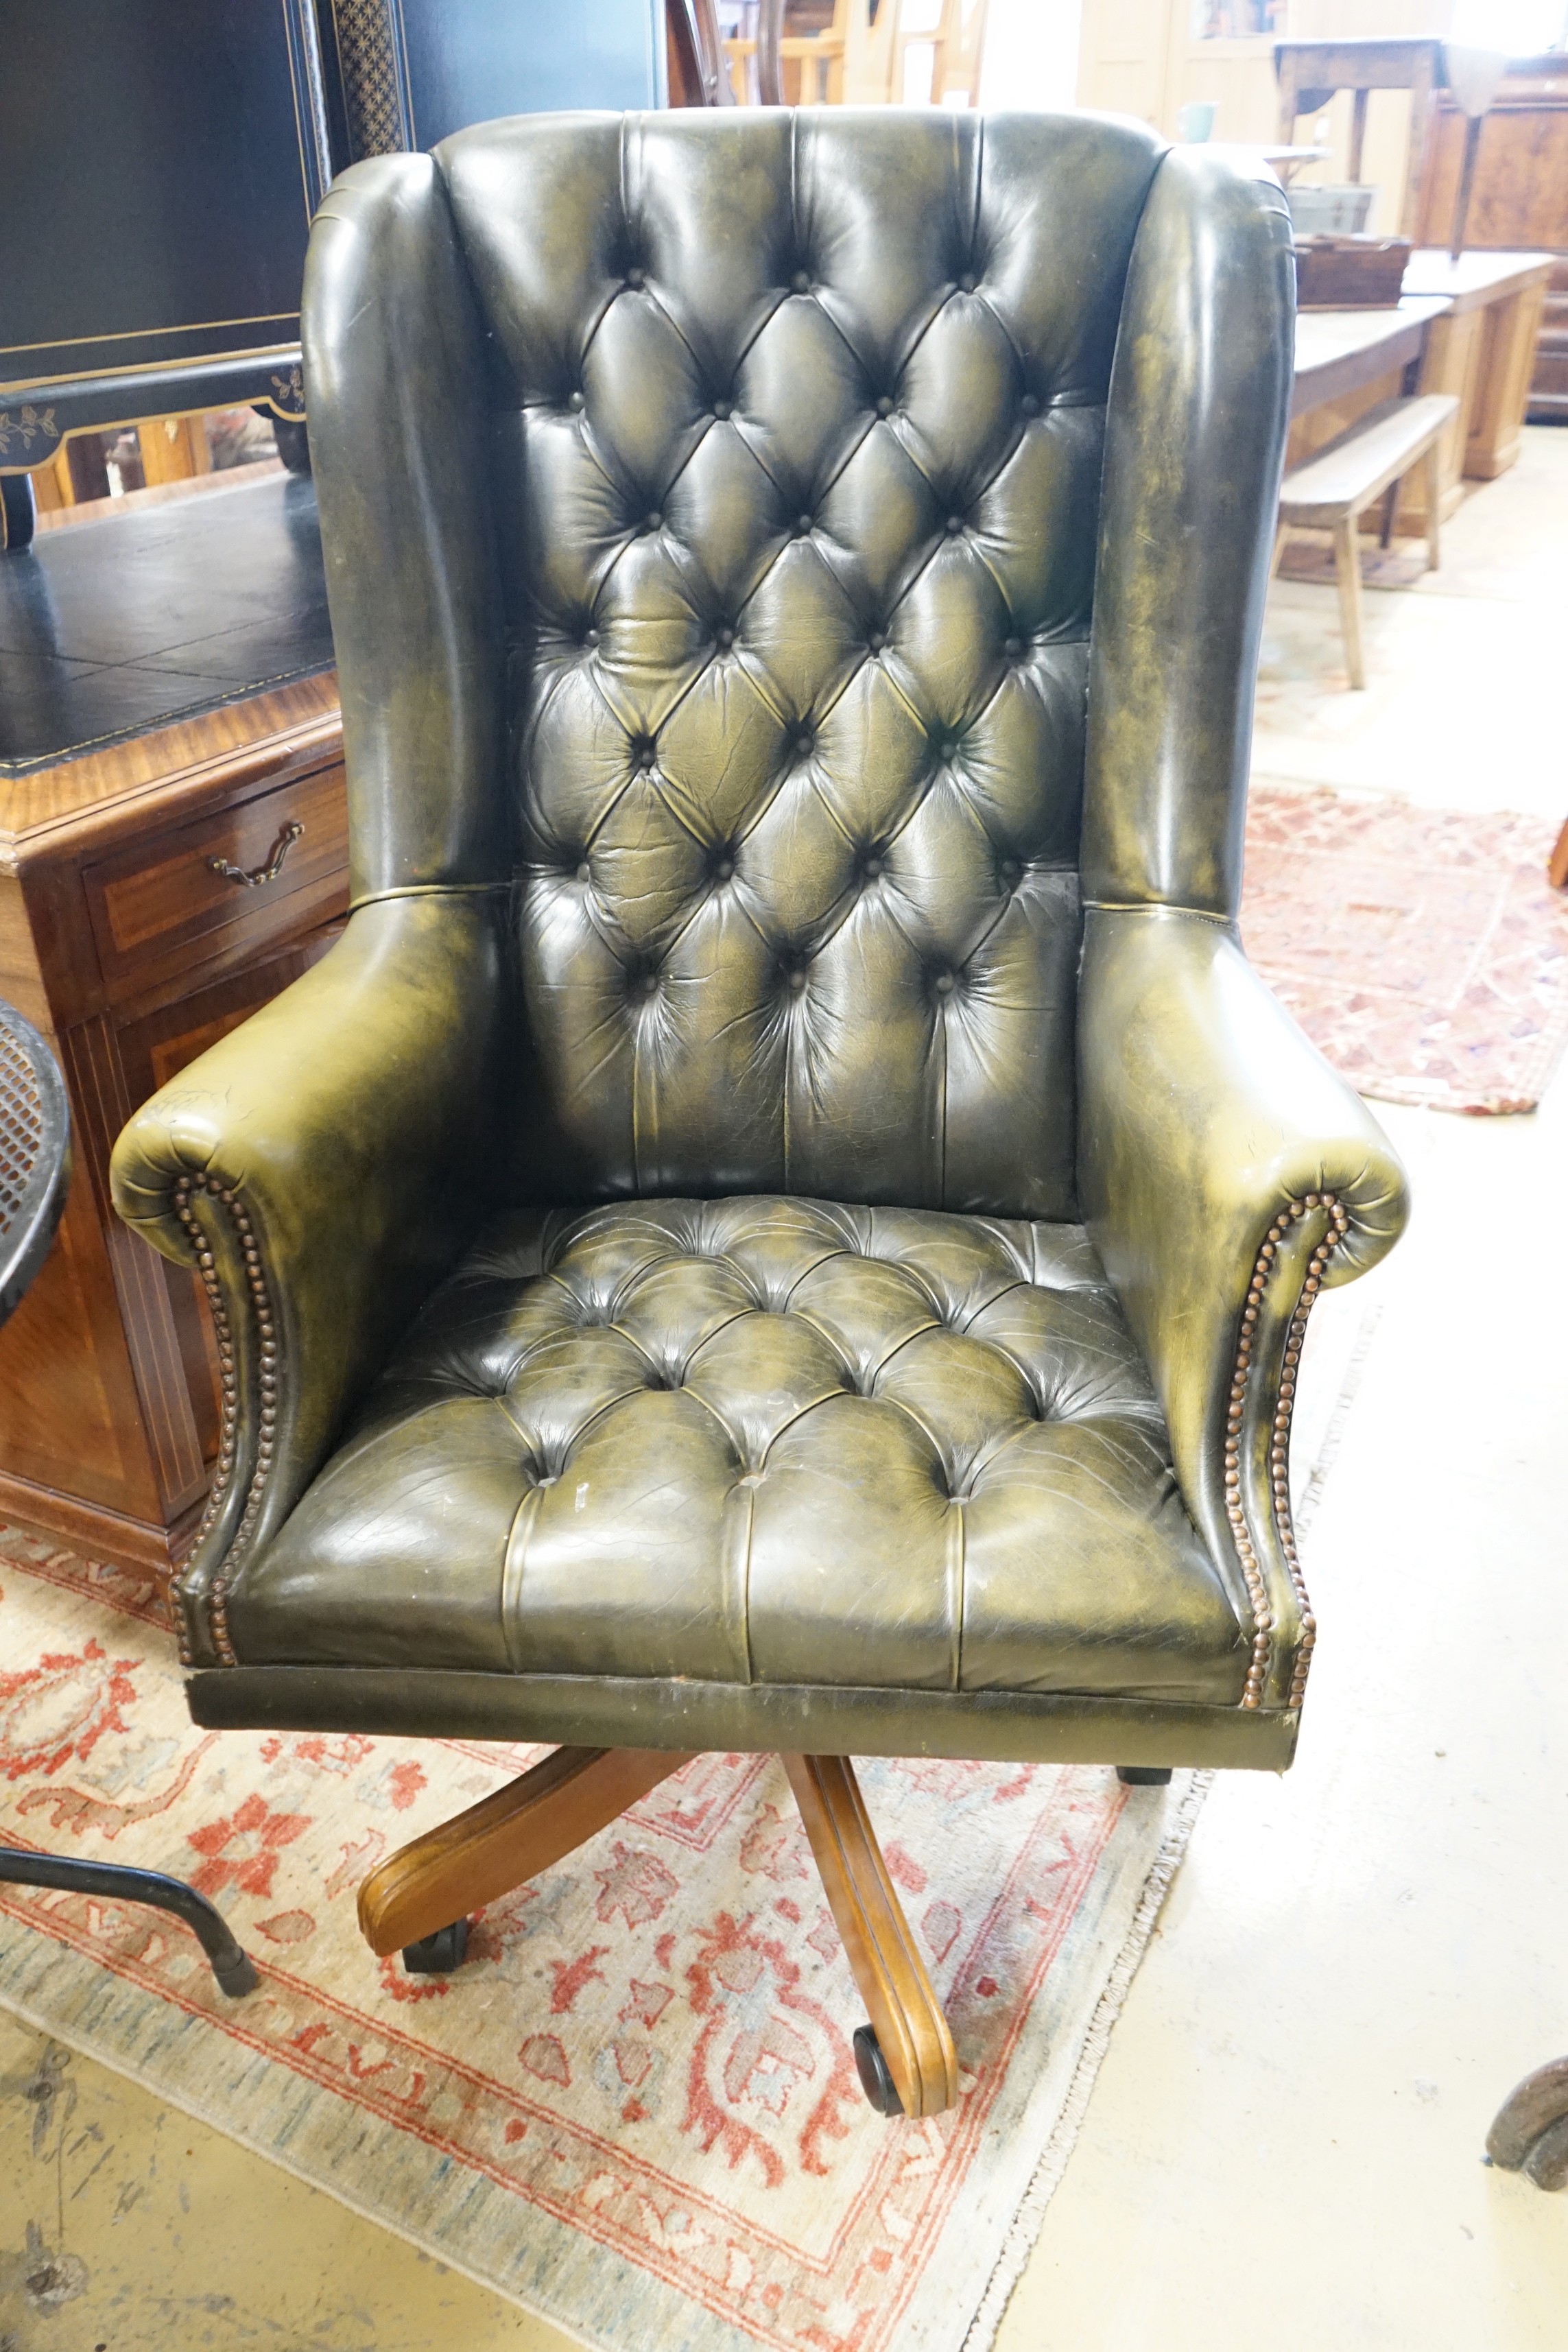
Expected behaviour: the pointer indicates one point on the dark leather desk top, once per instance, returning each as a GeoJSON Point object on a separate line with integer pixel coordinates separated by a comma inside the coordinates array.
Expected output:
{"type": "Point", "coordinates": [110, 628]}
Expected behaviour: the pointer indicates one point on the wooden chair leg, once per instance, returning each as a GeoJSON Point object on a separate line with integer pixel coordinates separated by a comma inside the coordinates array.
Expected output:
{"type": "Point", "coordinates": [1390, 509]}
{"type": "Point", "coordinates": [1433, 472]}
{"type": "Point", "coordinates": [506, 1839]}
{"type": "Point", "coordinates": [1281, 534]}
{"type": "Point", "coordinates": [1557, 868]}
{"type": "Point", "coordinates": [911, 2031]}
{"type": "Point", "coordinates": [1347, 574]}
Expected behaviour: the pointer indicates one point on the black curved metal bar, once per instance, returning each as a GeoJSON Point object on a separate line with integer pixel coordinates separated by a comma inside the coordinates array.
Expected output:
{"type": "Point", "coordinates": [34, 1153]}
{"type": "Point", "coordinates": [233, 1968]}
{"type": "Point", "coordinates": [35, 1177]}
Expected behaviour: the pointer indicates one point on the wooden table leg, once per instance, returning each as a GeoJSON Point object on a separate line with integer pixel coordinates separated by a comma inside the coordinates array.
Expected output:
{"type": "Point", "coordinates": [1451, 363]}
{"type": "Point", "coordinates": [905, 2012]}
{"type": "Point", "coordinates": [505, 1839]}
{"type": "Point", "coordinates": [1432, 467]}
{"type": "Point", "coordinates": [1557, 866]}
{"type": "Point", "coordinates": [1508, 340]}
{"type": "Point", "coordinates": [1347, 577]}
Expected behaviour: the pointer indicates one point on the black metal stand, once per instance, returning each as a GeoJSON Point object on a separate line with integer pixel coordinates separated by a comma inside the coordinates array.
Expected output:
{"type": "Point", "coordinates": [233, 1970]}
{"type": "Point", "coordinates": [35, 1173]}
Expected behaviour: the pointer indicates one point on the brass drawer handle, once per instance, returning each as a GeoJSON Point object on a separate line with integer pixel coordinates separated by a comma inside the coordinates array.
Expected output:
{"type": "Point", "coordinates": [259, 874]}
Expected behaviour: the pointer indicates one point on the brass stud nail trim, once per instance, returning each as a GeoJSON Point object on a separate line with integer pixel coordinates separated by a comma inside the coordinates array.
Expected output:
{"type": "Point", "coordinates": [224, 1201]}
{"type": "Point", "coordinates": [1279, 1446]}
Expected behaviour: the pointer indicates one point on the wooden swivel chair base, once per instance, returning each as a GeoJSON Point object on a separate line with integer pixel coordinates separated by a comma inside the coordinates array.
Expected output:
{"type": "Point", "coordinates": [418, 1900]}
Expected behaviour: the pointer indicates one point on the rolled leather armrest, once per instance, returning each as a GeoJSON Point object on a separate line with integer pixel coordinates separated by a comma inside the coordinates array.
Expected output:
{"type": "Point", "coordinates": [1226, 1173]}
{"type": "Point", "coordinates": [320, 1166]}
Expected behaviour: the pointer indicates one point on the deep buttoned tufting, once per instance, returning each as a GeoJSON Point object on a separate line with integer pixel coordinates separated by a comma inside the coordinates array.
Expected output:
{"type": "Point", "coordinates": [759, 1441]}
{"type": "Point", "coordinates": [800, 422]}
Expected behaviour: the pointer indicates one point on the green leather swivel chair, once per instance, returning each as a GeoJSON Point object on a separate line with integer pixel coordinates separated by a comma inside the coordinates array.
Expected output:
{"type": "Point", "coordinates": [786, 1220]}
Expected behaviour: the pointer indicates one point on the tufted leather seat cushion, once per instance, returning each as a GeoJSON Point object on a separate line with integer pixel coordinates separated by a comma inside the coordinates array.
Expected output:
{"type": "Point", "coordinates": [760, 1439]}
{"type": "Point", "coordinates": [799, 423]}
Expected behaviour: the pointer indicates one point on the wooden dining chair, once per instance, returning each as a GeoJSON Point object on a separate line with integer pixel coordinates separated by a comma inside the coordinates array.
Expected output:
{"type": "Point", "coordinates": [797, 54]}
{"type": "Point", "coordinates": [953, 32]}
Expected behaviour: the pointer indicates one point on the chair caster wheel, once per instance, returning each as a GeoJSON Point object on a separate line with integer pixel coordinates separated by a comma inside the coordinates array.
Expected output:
{"type": "Point", "coordinates": [872, 2068]}
{"type": "Point", "coordinates": [1142, 1776]}
{"type": "Point", "coordinates": [438, 1955]}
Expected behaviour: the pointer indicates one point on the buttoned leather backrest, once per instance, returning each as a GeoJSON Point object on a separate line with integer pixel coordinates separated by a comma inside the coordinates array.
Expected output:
{"type": "Point", "coordinates": [767, 727]}
{"type": "Point", "coordinates": [798, 433]}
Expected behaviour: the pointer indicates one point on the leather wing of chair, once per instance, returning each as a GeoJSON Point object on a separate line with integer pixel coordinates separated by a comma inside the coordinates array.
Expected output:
{"type": "Point", "coordinates": [786, 1222]}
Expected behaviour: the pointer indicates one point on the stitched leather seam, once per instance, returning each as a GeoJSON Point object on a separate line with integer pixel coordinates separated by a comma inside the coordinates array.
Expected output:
{"type": "Point", "coordinates": [795, 175]}
{"type": "Point", "coordinates": [605, 461]}
{"type": "Point", "coordinates": [781, 296]}
{"type": "Point", "coordinates": [970, 1321]}
{"type": "Point", "coordinates": [923, 329]}
{"type": "Point", "coordinates": [829, 481]}
{"type": "Point", "coordinates": [897, 1350]}
{"type": "Point", "coordinates": [628, 1284]}
{"type": "Point", "coordinates": [511, 1562]}
{"type": "Point", "coordinates": [227, 1201]}
{"type": "Point", "coordinates": [938, 1042]}
{"type": "Point", "coordinates": [1158, 907]}
{"type": "Point", "coordinates": [957, 1570]}
{"type": "Point", "coordinates": [755, 1307]}
{"type": "Point", "coordinates": [746, 1585]}
{"type": "Point", "coordinates": [527, 735]}
{"type": "Point", "coordinates": [844, 1249]}
{"type": "Point", "coordinates": [430, 890]}
{"type": "Point", "coordinates": [591, 1421]}
{"type": "Point", "coordinates": [910, 1273]}
{"type": "Point", "coordinates": [555, 1237]}
{"type": "Point", "coordinates": [1279, 1446]}
{"type": "Point", "coordinates": [711, 1409]}
{"type": "Point", "coordinates": [978, 945]}
{"type": "Point", "coordinates": [684, 339]}
{"type": "Point", "coordinates": [978, 204]}
{"type": "Point", "coordinates": [814, 1405]}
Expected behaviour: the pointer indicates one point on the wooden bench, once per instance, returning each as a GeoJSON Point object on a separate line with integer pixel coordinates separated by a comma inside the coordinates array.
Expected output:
{"type": "Point", "coordinates": [1339, 482]}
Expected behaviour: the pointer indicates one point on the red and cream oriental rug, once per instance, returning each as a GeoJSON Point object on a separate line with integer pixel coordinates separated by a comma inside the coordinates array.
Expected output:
{"type": "Point", "coordinates": [1423, 951]}
{"type": "Point", "coordinates": [635, 2112]}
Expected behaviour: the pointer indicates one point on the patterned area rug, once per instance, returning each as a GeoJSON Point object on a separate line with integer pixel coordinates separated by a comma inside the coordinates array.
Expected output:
{"type": "Point", "coordinates": [635, 2111]}
{"type": "Point", "coordinates": [1423, 951]}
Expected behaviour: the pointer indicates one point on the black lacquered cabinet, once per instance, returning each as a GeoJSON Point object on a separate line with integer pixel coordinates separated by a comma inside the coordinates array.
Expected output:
{"type": "Point", "coordinates": [161, 161]}
{"type": "Point", "coordinates": [404, 73]}
{"type": "Point", "coordinates": [159, 165]}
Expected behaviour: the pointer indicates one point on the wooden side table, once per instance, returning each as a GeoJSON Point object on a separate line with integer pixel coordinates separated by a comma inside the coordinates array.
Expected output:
{"type": "Point", "coordinates": [1482, 350]}
{"type": "Point", "coordinates": [1471, 325]}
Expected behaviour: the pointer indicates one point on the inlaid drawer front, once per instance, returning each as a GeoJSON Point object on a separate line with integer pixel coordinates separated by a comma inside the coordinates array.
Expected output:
{"type": "Point", "coordinates": [233, 867]}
